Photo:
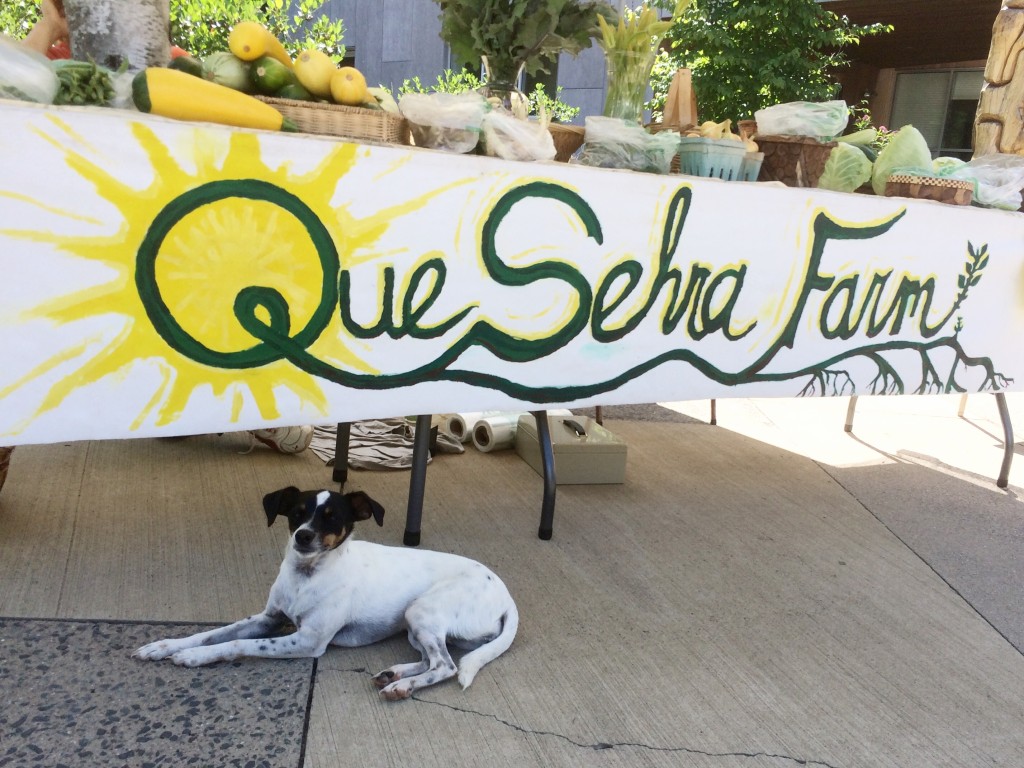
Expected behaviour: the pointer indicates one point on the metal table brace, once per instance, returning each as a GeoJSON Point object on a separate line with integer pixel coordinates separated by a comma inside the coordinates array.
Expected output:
{"type": "Point", "coordinates": [418, 479]}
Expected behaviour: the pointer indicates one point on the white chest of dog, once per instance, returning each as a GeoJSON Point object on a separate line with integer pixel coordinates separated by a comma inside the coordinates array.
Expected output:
{"type": "Point", "coordinates": [338, 591]}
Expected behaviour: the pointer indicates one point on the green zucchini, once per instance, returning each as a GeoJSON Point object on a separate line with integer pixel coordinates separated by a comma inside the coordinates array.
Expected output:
{"type": "Point", "coordinates": [293, 91]}
{"type": "Point", "coordinates": [268, 75]}
{"type": "Point", "coordinates": [189, 64]}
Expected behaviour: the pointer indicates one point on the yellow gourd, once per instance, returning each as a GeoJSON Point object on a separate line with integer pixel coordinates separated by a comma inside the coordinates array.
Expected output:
{"type": "Point", "coordinates": [314, 69]}
{"type": "Point", "coordinates": [171, 93]}
{"type": "Point", "coordinates": [348, 87]}
{"type": "Point", "coordinates": [249, 40]}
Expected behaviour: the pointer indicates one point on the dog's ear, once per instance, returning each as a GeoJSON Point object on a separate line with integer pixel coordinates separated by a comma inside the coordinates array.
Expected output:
{"type": "Point", "coordinates": [278, 502]}
{"type": "Point", "coordinates": [363, 507]}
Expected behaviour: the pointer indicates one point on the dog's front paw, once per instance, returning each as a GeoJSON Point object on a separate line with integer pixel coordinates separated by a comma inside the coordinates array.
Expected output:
{"type": "Point", "coordinates": [161, 649]}
{"type": "Point", "coordinates": [195, 657]}
{"type": "Point", "coordinates": [385, 678]}
{"type": "Point", "coordinates": [396, 691]}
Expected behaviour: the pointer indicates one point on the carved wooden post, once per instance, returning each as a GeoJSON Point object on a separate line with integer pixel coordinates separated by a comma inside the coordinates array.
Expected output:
{"type": "Point", "coordinates": [999, 125]}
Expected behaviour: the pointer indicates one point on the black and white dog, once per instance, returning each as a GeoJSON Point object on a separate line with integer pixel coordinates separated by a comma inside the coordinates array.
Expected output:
{"type": "Point", "coordinates": [339, 591]}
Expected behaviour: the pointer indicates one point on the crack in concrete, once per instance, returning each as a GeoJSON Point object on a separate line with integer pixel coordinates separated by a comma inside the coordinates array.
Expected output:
{"type": "Point", "coordinates": [601, 745]}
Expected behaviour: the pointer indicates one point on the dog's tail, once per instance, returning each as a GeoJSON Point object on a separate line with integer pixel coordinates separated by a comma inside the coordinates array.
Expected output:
{"type": "Point", "coordinates": [474, 661]}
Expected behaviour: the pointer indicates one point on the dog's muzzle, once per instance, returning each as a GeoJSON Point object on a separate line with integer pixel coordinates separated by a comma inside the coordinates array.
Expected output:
{"type": "Point", "coordinates": [305, 541]}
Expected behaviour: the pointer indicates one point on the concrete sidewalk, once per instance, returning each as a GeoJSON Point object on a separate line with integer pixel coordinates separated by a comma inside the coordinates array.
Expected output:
{"type": "Point", "coordinates": [768, 592]}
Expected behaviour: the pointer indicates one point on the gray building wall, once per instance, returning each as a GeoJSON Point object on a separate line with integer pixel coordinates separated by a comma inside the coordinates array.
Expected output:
{"type": "Point", "coordinates": [399, 39]}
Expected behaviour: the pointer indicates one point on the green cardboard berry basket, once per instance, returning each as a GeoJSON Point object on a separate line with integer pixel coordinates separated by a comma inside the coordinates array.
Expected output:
{"type": "Point", "coordinates": [712, 158]}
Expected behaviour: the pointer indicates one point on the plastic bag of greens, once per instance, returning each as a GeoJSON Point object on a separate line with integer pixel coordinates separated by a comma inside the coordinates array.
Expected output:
{"type": "Point", "coordinates": [846, 170]}
{"type": "Point", "coordinates": [510, 138]}
{"type": "Point", "coordinates": [944, 166]}
{"type": "Point", "coordinates": [908, 152]}
{"type": "Point", "coordinates": [611, 142]}
{"type": "Point", "coordinates": [998, 180]}
{"type": "Point", "coordinates": [448, 121]}
{"type": "Point", "coordinates": [24, 74]}
{"type": "Point", "coordinates": [803, 118]}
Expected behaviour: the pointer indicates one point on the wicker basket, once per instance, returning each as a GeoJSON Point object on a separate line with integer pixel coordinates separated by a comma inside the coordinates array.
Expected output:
{"type": "Point", "coordinates": [567, 138]}
{"type": "Point", "coordinates": [796, 161]}
{"type": "Point", "coordinates": [365, 125]}
{"type": "Point", "coordinates": [712, 158]}
{"type": "Point", "coordinates": [952, 191]}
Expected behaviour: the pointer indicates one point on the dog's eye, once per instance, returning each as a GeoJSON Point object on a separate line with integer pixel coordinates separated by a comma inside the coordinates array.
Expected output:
{"type": "Point", "coordinates": [328, 512]}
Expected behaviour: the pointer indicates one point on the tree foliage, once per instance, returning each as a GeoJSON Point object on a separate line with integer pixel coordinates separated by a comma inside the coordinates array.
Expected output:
{"type": "Point", "coordinates": [201, 27]}
{"type": "Point", "coordinates": [17, 17]}
{"type": "Point", "coordinates": [749, 54]}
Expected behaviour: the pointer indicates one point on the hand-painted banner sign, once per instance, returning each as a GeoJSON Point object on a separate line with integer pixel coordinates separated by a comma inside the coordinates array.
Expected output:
{"type": "Point", "coordinates": [159, 277]}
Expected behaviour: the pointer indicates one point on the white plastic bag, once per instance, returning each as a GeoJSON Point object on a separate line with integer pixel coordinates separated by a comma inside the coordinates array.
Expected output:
{"type": "Point", "coordinates": [610, 142]}
{"type": "Point", "coordinates": [998, 180]}
{"type": "Point", "coordinates": [511, 138]}
{"type": "Point", "coordinates": [449, 121]}
{"type": "Point", "coordinates": [24, 74]}
{"type": "Point", "coordinates": [803, 118]}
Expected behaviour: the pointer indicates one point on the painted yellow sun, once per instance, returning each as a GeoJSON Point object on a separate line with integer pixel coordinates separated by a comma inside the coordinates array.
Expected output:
{"type": "Point", "coordinates": [213, 248]}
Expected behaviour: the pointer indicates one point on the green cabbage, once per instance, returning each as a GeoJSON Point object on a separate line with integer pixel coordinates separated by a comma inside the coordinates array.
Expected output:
{"type": "Point", "coordinates": [907, 151]}
{"type": "Point", "coordinates": [846, 170]}
{"type": "Point", "coordinates": [945, 166]}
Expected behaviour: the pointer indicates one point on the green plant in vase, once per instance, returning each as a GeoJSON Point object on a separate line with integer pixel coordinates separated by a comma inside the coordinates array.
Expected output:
{"type": "Point", "coordinates": [630, 48]}
{"type": "Point", "coordinates": [513, 36]}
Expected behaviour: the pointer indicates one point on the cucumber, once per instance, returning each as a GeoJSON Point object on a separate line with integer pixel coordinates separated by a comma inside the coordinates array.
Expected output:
{"type": "Point", "coordinates": [293, 91]}
{"type": "Point", "coordinates": [268, 75]}
{"type": "Point", "coordinates": [189, 64]}
{"type": "Point", "coordinates": [869, 152]}
{"type": "Point", "coordinates": [859, 138]}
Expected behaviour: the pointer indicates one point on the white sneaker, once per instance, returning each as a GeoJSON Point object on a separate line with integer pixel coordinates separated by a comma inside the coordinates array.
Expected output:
{"type": "Point", "coordinates": [285, 439]}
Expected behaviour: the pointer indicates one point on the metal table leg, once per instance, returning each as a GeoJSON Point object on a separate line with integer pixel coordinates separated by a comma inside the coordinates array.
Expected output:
{"type": "Point", "coordinates": [547, 458]}
{"type": "Point", "coordinates": [1004, 416]}
{"type": "Point", "coordinates": [420, 453]}
{"type": "Point", "coordinates": [851, 409]}
{"type": "Point", "coordinates": [340, 474]}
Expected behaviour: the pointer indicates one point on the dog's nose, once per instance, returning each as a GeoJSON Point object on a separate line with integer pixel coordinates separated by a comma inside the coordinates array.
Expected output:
{"type": "Point", "coordinates": [304, 537]}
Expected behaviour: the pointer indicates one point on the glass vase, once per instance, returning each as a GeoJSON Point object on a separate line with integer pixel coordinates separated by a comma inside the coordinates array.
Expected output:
{"type": "Point", "coordinates": [502, 89]}
{"type": "Point", "coordinates": [629, 75]}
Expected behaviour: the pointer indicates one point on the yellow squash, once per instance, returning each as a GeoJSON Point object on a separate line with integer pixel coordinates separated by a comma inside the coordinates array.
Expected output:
{"type": "Point", "coordinates": [348, 86]}
{"type": "Point", "coordinates": [249, 40]}
{"type": "Point", "coordinates": [314, 69]}
{"type": "Point", "coordinates": [171, 93]}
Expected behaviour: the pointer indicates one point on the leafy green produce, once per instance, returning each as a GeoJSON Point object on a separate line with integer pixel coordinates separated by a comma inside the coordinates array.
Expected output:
{"type": "Point", "coordinates": [514, 32]}
{"type": "Point", "coordinates": [846, 170]}
{"type": "Point", "coordinates": [83, 82]}
{"type": "Point", "coordinates": [907, 150]}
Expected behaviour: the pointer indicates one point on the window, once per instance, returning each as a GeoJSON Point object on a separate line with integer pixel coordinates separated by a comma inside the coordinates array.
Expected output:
{"type": "Point", "coordinates": [941, 104]}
